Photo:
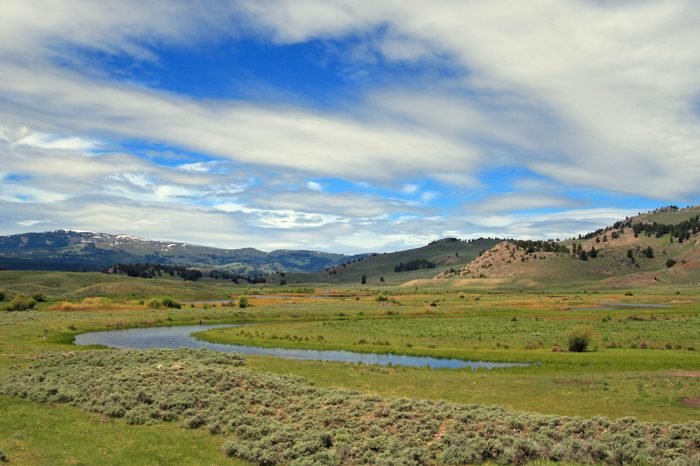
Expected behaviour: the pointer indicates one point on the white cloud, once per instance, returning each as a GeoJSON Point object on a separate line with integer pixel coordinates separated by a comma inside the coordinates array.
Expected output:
{"type": "Point", "coordinates": [26, 137]}
{"type": "Point", "coordinates": [428, 196]}
{"type": "Point", "coordinates": [610, 87]}
{"type": "Point", "coordinates": [198, 167]}
{"type": "Point", "coordinates": [279, 218]}
{"type": "Point", "coordinates": [284, 137]}
{"type": "Point", "coordinates": [571, 88]}
{"type": "Point", "coordinates": [520, 201]}
{"type": "Point", "coordinates": [29, 223]}
{"type": "Point", "coordinates": [409, 188]}
{"type": "Point", "coordinates": [314, 186]}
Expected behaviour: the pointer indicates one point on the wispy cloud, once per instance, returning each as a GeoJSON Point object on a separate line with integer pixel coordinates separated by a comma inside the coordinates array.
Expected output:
{"type": "Point", "coordinates": [600, 96]}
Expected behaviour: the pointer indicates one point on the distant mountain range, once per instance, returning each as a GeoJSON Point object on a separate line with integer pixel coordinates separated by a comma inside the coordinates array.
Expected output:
{"type": "Point", "coordinates": [82, 250]}
{"type": "Point", "coordinates": [658, 247]}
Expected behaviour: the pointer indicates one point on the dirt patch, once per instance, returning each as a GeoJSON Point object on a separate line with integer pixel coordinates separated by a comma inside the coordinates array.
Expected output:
{"type": "Point", "coordinates": [693, 402]}
{"type": "Point", "coordinates": [418, 282]}
{"type": "Point", "coordinates": [684, 374]}
{"type": "Point", "coordinates": [480, 281]}
{"type": "Point", "coordinates": [636, 280]}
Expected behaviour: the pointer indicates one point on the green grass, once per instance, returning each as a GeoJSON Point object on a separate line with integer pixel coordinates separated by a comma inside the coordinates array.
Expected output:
{"type": "Point", "coordinates": [445, 254]}
{"type": "Point", "coordinates": [32, 433]}
{"type": "Point", "coordinates": [79, 285]}
{"type": "Point", "coordinates": [616, 378]}
{"type": "Point", "coordinates": [669, 217]}
{"type": "Point", "coordinates": [612, 382]}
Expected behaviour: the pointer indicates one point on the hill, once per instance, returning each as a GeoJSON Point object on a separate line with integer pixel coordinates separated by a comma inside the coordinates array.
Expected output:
{"type": "Point", "coordinates": [397, 267]}
{"type": "Point", "coordinates": [79, 250]}
{"type": "Point", "coordinates": [659, 247]}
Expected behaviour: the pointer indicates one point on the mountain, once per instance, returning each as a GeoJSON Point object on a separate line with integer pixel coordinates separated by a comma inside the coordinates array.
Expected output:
{"type": "Point", "coordinates": [655, 248]}
{"type": "Point", "coordinates": [81, 250]}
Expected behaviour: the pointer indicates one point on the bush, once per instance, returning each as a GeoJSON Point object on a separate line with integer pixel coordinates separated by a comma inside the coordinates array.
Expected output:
{"type": "Point", "coordinates": [164, 302]}
{"type": "Point", "coordinates": [39, 297]}
{"type": "Point", "coordinates": [580, 338]}
{"type": "Point", "coordinates": [3, 295]}
{"type": "Point", "coordinates": [153, 303]}
{"type": "Point", "coordinates": [243, 302]}
{"type": "Point", "coordinates": [670, 263]}
{"type": "Point", "coordinates": [170, 302]}
{"type": "Point", "coordinates": [21, 303]}
{"type": "Point", "coordinates": [3, 456]}
{"type": "Point", "coordinates": [293, 423]}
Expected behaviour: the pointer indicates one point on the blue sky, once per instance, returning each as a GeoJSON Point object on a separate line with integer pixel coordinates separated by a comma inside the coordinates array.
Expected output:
{"type": "Point", "coordinates": [345, 126]}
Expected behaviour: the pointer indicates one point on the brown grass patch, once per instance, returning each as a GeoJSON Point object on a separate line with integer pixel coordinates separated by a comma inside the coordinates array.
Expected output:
{"type": "Point", "coordinates": [693, 401]}
{"type": "Point", "coordinates": [684, 374]}
{"type": "Point", "coordinates": [93, 304]}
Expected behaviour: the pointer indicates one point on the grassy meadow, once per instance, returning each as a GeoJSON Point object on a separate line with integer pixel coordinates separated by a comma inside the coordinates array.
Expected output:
{"type": "Point", "coordinates": [642, 363]}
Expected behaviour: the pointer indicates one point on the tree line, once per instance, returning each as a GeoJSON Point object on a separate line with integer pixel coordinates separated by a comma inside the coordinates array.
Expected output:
{"type": "Point", "coordinates": [415, 264]}
{"type": "Point", "coordinates": [148, 270]}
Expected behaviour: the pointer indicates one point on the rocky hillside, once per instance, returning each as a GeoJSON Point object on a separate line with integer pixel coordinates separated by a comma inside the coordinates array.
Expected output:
{"type": "Point", "coordinates": [662, 246]}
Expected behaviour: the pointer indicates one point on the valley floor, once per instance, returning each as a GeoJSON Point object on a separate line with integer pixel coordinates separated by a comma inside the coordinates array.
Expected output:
{"type": "Point", "coordinates": [642, 362]}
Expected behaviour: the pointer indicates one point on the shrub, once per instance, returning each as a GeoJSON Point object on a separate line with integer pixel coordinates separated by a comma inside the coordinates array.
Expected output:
{"type": "Point", "coordinates": [170, 302]}
{"type": "Point", "coordinates": [154, 303]}
{"type": "Point", "coordinates": [3, 456]}
{"type": "Point", "coordinates": [21, 303]}
{"type": "Point", "coordinates": [164, 302]}
{"type": "Point", "coordinates": [3, 295]}
{"type": "Point", "coordinates": [243, 302]}
{"type": "Point", "coordinates": [580, 338]}
{"type": "Point", "coordinates": [381, 298]}
{"type": "Point", "coordinates": [39, 297]}
{"type": "Point", "coordinates": [277, 419]}
{"type": "Point", "coordinates": [670, 263]}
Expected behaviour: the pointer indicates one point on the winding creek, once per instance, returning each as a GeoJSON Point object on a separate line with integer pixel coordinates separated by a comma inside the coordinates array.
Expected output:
{"type": "Point", "coordinates": [181, 337]}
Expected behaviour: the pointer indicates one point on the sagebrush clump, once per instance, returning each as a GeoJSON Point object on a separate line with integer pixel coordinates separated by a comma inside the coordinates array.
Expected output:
{"type": "Point", "coordinates": [272, 419]}
{"type": "Point", "coordinates": [21, 303]}
{"type": "Point", "coordinates": [580, 338]}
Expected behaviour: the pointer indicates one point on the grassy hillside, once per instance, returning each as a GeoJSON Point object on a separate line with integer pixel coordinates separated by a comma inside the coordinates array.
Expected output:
{"type": "Point", "coordinates": [445, 254]}
{"type": "Point", "coordinates": [79, 285]}
{"type": "Point", "coordinates": [668, 215]}
{"type": "Point", "coordinates": [621, 258]}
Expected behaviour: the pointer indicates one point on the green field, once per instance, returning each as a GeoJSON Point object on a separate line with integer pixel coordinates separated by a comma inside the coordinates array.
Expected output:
{"type": "Point", "coordinates": [642, 363]}
{"type": "Point", "coordinates": [627, 372]}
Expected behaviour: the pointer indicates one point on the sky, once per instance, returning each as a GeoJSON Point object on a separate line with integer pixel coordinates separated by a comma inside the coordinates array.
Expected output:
{"type": "Point", "coordinates": [345, 125]}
